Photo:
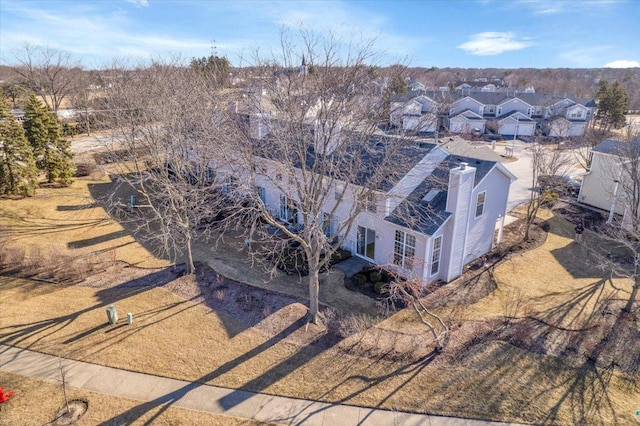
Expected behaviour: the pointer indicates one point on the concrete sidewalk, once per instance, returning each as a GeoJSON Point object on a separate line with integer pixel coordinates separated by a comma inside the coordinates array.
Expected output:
{"type": "Point", "coordinates": [155, 390]}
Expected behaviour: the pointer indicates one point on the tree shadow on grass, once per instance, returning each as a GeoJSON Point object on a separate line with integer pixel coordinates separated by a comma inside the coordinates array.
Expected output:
{"type": "Point", "coordinates": [17, 334]}
{"type": "Point", "coordinates": [285, 367]}
{"type": "Point", "coordinates": [113, 196]}
{"type": "Point", "coordinates": [97, 240]}
{"type": "Point", "coordinates": [575, 308]}
{"type": "Point", "coordinates": [77, 207]}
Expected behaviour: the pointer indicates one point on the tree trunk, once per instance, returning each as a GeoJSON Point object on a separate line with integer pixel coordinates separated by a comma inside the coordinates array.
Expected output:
{"type": "Point", "coordinates": [191, 269]}
{"type": "Point", "coordinates": [314, 289]}
{"type": "Point", "coordinates": [633, 296]}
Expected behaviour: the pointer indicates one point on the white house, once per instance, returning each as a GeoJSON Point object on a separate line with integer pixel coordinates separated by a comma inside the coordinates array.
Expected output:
{"type": "Point", "coordinates": [603, 185]}
{"type": "Point", "coordinates": [466, 122]}
{"type": "Point", "coordinates": [429, 221]}
{"type": "Point", "coordinates": [538, 110]}
{"type": "Point", "coordinates": [562, 127]}
{"type": "Point", "coordinates": [418, 114]}
{"type": "Point", "coordinates": [517, 124]}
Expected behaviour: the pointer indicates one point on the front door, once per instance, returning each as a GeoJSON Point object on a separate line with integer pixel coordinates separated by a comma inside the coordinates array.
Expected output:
{"type": "Point", "coordinates": [366, 242]}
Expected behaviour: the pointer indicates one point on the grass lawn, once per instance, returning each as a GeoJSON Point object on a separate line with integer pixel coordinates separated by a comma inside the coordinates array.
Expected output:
{"type": "Point", "coordinates": [47, 397]}
{"type": "Point", "coordinates": [554, 282]}
{"type": "Point", "coordinates": [68, 222]}
{"type": "Point", "coordinates": [480, 375]}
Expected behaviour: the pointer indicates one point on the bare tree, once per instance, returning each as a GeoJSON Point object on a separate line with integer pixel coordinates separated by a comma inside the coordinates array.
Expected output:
{"type": "Point", "coordinates": [621, 234]}
{"type": "Point", "coordinates": [166, 123]}
{"type": "Point", "coordinates": [50, 73]}
{"type": "Point", "coordinates": [582, 146]}
{"type": "Point", "coordinates": [544, 162]}
{"type": "Point", "coordinates": [313, 157]}
{"type": "Point", "coordinates": [410, 293]}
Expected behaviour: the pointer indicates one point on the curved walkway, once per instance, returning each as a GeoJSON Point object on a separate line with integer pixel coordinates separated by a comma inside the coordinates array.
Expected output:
{"type": "Point", "coordinates": [155, 391]}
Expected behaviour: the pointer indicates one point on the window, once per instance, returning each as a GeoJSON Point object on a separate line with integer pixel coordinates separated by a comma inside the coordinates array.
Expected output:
{"type": "Point", "coordinates": [262, 193]}
{"type": "Point", "coordinates": [329, 225]}
{"type": "Point", "coordinates": [228, 184]}
{"type": "Point", "coordinates": [286, 209]}
{"type": "Point", "coordinates": [436, 250]}
{"type": "Point", "coordinates": [366, 242]}
{"type": "Point", "coordinates": [211, 174]}
{"type": "Point", "coordinates": [480, 203]}
{"type": "Point", "coordinates": [576, 113]}
{"type": "Point", "coordinates": [404, 249]}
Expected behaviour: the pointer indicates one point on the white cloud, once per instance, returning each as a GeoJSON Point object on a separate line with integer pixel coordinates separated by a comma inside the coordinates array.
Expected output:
{"type": "Point", "coordinates": [553, 7]}
{"type": "Point", "coordinates": [623, 63]}
{"type": "Point", "coordinates": [139, 3]}
{"type": "Point", "coordinates": [493, 43]}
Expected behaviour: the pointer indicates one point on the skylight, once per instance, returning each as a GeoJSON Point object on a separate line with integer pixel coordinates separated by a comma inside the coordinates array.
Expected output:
{"type": "Point", "coordinates": [431, 195]}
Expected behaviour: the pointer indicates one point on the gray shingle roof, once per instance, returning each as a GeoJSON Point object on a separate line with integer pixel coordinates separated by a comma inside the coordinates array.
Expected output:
{"type": "Point", "coordinates": [427, 217]}
{"type": "Point", "coordinates": [620, 148]}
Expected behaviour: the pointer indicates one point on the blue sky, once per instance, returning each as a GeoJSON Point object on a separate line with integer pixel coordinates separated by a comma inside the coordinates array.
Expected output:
{"type": "Point", "coordinates": [472, 33]}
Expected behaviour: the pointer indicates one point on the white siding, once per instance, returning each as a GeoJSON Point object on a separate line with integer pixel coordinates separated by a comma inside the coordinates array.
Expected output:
{"type": "Point", "coordinates": [515, 105]}
{"type": "Point", "coordinates": [598, 184]}
{"type": "Point", "coordinates": [482, 229]}
{"type": "Point", "coordinates": [467, 103]}
{"type": "Point", "coordinates": [423, 123]}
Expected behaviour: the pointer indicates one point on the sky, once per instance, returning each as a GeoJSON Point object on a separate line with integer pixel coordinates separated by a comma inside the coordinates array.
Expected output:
{"type": "Point", "coordinates": [427, 33]}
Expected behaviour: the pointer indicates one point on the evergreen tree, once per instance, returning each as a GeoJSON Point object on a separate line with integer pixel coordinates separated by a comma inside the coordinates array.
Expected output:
{"type": "Point", "coordinates": [51, 150]}
{"type": "Point", "coordinates": [215, 68]}
{"type": "Point", "coordinates": [612, 100]}
{"type": "Point", "coordinates": [18, 172]}
{"type": "Point", "coordinates": [619, 105]}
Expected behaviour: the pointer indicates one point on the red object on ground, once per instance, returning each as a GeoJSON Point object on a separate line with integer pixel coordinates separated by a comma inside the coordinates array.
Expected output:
{"type": "Point", "coordinates": [5, 396]}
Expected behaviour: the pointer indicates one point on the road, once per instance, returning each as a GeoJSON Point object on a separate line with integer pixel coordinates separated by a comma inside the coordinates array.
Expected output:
{"type": "Point", "coordinates": [97, 141]}
{"type": "Point", "coordinates": [520, 191]}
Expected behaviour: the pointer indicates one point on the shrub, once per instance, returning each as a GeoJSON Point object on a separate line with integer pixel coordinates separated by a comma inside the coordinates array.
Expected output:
{"type": "Point", "coordinates": [375, 276]}
{"type": "Point", "coordinates": [360, 279]}
{"type": "Point", "coordinates": [380, 287]}
{"type": "Point", "coordinates": [340, 255]}
{"type": "Point", "coordinates": [85, 169]}
{"type": "Point", "coordinates": [387, 277]}
{"type": "Point", "coordinates": [69, 129]}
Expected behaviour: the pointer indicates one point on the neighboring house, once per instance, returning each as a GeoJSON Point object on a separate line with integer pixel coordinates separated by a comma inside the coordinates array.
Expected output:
{"type": "Point", "coordinates": [470, 108]}
{"type": "Point", "coordinates": [18, 114]}
{"type": "Point", "coordinates": [416, 86]}
{"type": "Point", "coordinates": [467, 122]}
{"type": "Point", "coordinates": [516, 124]}
{"type": "Point", "coordinates": [435, 215]}
{"type": "Point", "coordinates": [602, 185]}
{"type": "Point", "coordinates": [418, 114]}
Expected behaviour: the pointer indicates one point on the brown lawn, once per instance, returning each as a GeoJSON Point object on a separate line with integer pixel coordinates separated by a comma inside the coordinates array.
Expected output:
{"type": "Point", "coordinates": [67, 221]}
{"type": "Point", "coordinates": [35, 402]}
{"type": "Point", "coordinates": [197, 328]}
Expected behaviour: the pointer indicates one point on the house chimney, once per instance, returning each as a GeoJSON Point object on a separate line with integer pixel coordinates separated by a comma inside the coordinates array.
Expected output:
{"type": "Point", "coordinates": [460, 204]}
